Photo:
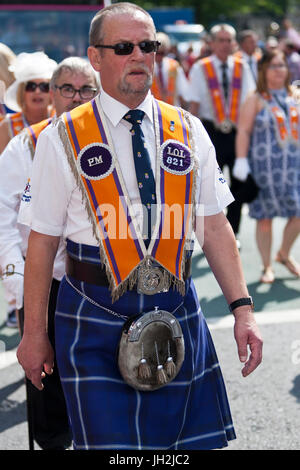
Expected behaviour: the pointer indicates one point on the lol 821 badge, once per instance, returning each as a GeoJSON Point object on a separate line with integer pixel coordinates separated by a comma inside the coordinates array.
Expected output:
{"type": "Point", "coordinates": [95, 161]}
{"type": "Point", "coordinates": [176, 157]}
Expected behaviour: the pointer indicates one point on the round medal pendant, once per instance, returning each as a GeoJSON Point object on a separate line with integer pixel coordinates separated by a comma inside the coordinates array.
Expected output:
{"type": "Point", "coordinates": [225, 126]}
{"type": "Point", "coordinates": [150, 280]}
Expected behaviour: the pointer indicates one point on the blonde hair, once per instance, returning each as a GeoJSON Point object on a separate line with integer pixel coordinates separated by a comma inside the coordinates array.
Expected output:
{"type": "Point", "coordinates": [7, 57]}
{"type": "Point", "coordinates": [20, 95]}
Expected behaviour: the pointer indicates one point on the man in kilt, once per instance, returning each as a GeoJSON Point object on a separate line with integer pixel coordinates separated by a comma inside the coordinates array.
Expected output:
{"type": "Point", "coordinates": [127, 180]}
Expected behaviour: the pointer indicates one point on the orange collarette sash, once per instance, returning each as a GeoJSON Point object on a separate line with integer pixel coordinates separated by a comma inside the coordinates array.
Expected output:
{"type": "Point", "coordinates": [285, 133]}
{"type": "Point", "coordinates": [2, 112]}
{"type": "Point", "coordinates": [34, 131]}
{"type": "Point", "coordinates": [16, 122]}
{"type": "Point", "coordinates": [167, 94]}
{"type": "Point", "coordinates": [222, 113]}
{"type": "Point", "coordinates": [92, 159]}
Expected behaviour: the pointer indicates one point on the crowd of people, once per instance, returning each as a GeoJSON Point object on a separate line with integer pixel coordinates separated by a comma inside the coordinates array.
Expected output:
{"type": "Point", "coordinates": [55, 119]}
{"type": "Point", "coordinates": [221, 100]}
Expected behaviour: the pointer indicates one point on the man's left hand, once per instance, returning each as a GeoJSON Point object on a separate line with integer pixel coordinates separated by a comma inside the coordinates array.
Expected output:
{"type": "Point", "coordinates": [247, 334]}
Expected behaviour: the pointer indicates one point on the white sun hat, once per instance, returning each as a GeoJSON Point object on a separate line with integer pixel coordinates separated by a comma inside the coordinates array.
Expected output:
{"type": "Point", "coordinates": [28, 66]}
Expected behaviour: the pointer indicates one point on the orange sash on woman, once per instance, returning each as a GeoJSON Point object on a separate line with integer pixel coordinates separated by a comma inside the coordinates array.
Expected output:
{"type": "Point", "coordinates": [222, 113]}
{"type": "Point", "coordinates": [17, 122]}
{"type": "Point", "coordinates": [285, 133]}
{"type": "Point", "coordinates": [168, 92]}
{"type": "Point", "coordinates": [92, 159]}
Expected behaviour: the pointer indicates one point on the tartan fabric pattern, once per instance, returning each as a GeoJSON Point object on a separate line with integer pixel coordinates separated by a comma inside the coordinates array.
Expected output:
{"type": "Point", "coordinates": [192, 412]}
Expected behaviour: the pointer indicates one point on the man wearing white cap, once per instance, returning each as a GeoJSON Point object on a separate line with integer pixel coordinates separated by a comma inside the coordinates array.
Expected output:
{"type": "Point", "coordinates": [73, 83]}
{"type": "Point", "coordinates": [29, 95]}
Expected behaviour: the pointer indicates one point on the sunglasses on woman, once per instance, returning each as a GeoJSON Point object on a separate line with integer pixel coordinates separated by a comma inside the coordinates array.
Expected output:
{"type": "Point", "coordinates": [126, 48]}
{"type": "Point", "coordinates": [32, 86]}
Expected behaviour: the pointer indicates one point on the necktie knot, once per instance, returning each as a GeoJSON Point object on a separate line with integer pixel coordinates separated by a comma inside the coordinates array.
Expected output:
{"type": "Point", "coordinates": [134, 116]}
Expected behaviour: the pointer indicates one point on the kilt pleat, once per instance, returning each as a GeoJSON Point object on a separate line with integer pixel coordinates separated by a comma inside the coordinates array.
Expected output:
{"type": "Point", "coordinates": [192, 412]}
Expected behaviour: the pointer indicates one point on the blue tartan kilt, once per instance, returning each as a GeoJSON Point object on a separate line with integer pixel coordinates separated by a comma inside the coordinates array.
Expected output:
{"type": "Point", "coordinates": [190, 413]}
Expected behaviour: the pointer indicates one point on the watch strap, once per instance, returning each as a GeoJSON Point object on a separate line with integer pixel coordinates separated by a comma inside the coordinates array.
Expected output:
{"type": "Point", "coordinates": [240, 302]}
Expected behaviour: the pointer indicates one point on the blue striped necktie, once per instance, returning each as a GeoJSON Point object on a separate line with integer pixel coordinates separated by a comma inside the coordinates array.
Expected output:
{"type": "Point", "coordinates": [144, 174]}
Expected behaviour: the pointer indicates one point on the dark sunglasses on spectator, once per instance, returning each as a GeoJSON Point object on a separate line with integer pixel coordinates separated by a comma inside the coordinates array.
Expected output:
{"type": "Point", "coordinates": [126, 48]}
{"type": "Point", "coordinates": [32, 86]}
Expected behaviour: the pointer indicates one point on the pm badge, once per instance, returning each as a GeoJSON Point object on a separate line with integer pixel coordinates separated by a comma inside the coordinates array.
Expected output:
{"type": "Point", "coordinates": [95, 161]}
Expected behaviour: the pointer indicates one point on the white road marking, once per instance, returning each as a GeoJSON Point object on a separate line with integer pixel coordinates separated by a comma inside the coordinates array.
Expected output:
{"type": "Point", "coordinates": [262, 318]}
{"type": "Point", "coordinates": [8, 358]}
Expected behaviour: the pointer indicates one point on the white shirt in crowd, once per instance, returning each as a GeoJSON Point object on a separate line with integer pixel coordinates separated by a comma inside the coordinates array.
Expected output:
{"type": "Point", "coordinates": [181, 86]}
{"type": "Point", "coordinates": [198, 89]}
{"type": "Point", "coordinates": [15, 170]}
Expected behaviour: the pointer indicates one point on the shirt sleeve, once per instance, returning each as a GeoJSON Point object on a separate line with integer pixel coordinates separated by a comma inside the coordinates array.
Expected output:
{"type": "Point", "coordinates": [248, 82]}
{"type": "Point", "coordinates": [15, 163]}
{"type": "Point", "coordinates": [182, 84]}
{"type": "Point", "coordinates": [212, 191]}
{"type": "Point", "coordinates": [196, 84]}
{"type": "Point", "coordinates": [50, 185]}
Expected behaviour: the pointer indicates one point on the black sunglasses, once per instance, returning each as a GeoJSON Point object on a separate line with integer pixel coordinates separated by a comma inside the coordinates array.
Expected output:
{"type": "Point", "coordinates": [32, 86]}
{"type": "Point", "coordinates": [126, 48]}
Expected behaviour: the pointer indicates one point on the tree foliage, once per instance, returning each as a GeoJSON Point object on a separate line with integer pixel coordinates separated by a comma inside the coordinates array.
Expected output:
{"type": "Point", "coordinates": [211, 11]}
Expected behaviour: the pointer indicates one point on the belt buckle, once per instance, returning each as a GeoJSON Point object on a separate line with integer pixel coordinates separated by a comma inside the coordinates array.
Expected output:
{"type": "Point", "coordinates": [151, 279]}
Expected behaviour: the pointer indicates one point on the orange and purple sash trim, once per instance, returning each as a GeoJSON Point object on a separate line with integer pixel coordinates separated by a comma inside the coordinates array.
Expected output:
{"type": "Point", "coordinates": [221, 114]}
{"type": "Point", "coordinates": [104, 187]}
{"type": "Point", "coordinates": [168, 93]}
{"type": "Point", "coordinates": [176, 187]}
{"type": "Point", "coordinates": [34, 131]}
{"type": "Point", "coordinates": [17, 122]}
{"type": "Point", "coordinates": [293, 115]}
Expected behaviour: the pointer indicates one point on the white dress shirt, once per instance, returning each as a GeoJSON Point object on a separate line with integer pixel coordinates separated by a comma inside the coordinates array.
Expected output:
{"type": "Point", "coordinates": [251, 60]}
{"type": "Point", "coordinates": [199, 91]}
{"type": "Point", "coordinates": [56, 206]}
{"type": "Point", "coordinates": [15, 169]}
{"type": "Point", "coordinates": [181, 86]}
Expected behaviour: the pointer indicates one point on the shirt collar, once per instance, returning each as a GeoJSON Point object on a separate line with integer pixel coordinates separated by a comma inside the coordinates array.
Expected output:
{"type": "Point", "coordinates": [115, 110]}
{"type": "Point", "coordinates": [218, 62]}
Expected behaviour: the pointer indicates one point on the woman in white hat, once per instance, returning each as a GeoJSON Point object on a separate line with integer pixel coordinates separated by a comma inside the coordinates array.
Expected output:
{"type": "Point", "coordinates": [29, 94]}
{"type": "Point", "coordinates": [7, 57]}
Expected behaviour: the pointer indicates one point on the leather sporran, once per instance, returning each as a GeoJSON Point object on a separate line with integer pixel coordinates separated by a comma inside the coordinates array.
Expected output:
{"type": "Point", "coordinates": [151, 350]}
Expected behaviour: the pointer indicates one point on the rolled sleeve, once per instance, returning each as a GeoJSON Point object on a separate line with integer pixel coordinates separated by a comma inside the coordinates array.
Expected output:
{"type": "Point", "coordinates": [49, 189]}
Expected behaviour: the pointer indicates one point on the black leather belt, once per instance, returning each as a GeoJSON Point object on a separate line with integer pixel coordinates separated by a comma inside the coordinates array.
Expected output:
{"type": "Point", "coordinates": [95, 274]}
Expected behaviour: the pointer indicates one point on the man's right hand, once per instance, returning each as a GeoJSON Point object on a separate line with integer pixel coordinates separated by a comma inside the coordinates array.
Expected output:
{"type": "Point", "coordinates": [36, 356]}
{"type": "Point", "coordinates": [14, 286]}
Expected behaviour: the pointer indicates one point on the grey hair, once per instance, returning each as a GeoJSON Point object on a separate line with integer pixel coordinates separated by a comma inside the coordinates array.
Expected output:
{"type": "Point", "coordinates": [96, 34]}
{"type": "Point", "coordinates": [74, 65]}
{"type": "Point", "coordinates": [222, 27]}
